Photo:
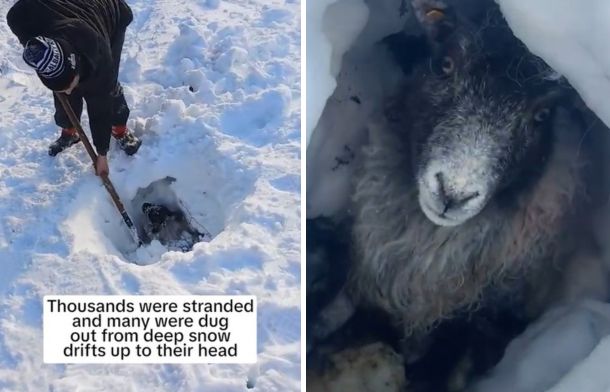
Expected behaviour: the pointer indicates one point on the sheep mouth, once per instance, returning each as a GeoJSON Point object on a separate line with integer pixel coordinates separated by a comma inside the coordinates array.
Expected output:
{"type": "Point", "coordinates": [439, 218]}
{"type": "Point", "coordinates": [444, 215]}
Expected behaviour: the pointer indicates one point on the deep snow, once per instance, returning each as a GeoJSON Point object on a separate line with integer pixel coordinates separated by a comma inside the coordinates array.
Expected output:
{"type": "Point", "coordinates": [556, 351]}
{"type": "Point", "coordinates": [571, 36]}
{"type": "Point", "coordinates": [332, 26]}
{"type": "Point", "coordinates": [569, 348]}
{"type": "Point", "coordinates": [214, 88]}
{"type": "Point", "coordinates": [361, 74]}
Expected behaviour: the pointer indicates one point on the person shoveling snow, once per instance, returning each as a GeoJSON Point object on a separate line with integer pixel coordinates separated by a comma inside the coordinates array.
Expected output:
{"type": "Point", "coordinates": [75, 47]}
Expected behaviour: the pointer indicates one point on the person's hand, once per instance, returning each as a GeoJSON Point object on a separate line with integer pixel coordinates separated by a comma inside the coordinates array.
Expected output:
{"type": "Point", "coordinates": [101, 166]}
{"type": "Point", "coordinates": [72, 85]}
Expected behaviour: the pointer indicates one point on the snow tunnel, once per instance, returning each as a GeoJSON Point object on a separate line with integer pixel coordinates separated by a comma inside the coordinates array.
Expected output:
{"type": "Point", "coordinates": [359, 54]}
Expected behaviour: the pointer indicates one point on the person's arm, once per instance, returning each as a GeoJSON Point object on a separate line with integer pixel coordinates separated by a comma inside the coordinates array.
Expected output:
{"type": "Point", "coordinates": [97, 87]}
{"type": "Point", "coordinates": [97, 77]}
{"type": "Point", "coordinates": [99, 107]}
{"type": "Point", "coordinates": [96, 80]}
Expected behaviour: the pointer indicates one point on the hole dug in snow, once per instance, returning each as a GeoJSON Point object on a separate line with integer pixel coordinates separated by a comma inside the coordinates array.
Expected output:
{"type": "Point", "coordinates": [160, 215]}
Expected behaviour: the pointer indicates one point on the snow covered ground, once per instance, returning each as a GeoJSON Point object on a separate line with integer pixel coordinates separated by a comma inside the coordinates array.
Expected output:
{"type": "Point", "coordinates": [214, 88]}
{"type": "Point", "coordinates": [569, 348]}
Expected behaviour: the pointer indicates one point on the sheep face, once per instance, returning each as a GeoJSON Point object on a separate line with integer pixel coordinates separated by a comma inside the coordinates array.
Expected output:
{"type": "Point", "coordinates": [483, 108]}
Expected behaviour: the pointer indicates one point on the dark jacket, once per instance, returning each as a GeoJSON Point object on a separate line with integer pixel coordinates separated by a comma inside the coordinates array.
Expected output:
{"type": "Point", "coordinates": [91, 27]}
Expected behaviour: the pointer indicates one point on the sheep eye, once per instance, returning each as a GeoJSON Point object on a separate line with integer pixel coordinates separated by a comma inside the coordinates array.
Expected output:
{"type": "Point", "coordinates": [447, 65]}
{"type": "Point", "coordinates": [542, 115]}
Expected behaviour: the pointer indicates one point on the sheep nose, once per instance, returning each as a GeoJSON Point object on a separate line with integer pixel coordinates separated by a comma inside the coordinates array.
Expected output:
{"type": "Point", "coordinates": [452, 197]}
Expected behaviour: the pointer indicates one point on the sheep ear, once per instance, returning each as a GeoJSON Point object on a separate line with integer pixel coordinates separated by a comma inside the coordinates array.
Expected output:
{"type": "Point", "coordinates": [436, 17]}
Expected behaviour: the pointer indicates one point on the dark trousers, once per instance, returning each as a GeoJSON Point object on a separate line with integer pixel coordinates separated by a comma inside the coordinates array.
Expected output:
{"type": "Point", "coordinates": [120, 110]}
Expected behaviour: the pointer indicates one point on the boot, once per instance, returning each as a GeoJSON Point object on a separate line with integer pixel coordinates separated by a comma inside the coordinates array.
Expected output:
{"type": "Point", "coordinates": [128, 142]}
{"type": "Point", "coordinates": [68, 138]}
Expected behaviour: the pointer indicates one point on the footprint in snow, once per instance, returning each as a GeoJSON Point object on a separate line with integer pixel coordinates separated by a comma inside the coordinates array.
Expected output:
{"type": "Point", "coordinates": [249, 120]}
{"type": "Point", "coordinates": [287, 183]}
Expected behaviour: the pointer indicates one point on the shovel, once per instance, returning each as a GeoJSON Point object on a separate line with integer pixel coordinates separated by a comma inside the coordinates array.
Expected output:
{"type": "Point", "coordinates": [105, 180]}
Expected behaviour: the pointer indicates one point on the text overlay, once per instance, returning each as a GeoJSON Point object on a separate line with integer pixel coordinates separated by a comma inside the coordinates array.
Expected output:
{"type": "Point", "coordinates": [149, 329]}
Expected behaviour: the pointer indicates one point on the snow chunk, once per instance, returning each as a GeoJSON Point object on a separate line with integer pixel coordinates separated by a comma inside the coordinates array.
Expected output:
{"type": "Point", "coordinates": [572, 37]}
{"type": "Point", "coordinates": [366, 77]}
{"type": "Point", "coordinates": [591, 375]}
{"type": "Point", "coordinates": [365, 73]}
{"type": "Point", "coordinates": [331, 29]}
{"type": "Point", "coordinates": [554, 346]}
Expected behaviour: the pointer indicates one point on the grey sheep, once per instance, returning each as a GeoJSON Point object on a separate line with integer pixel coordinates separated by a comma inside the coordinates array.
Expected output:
{"type": "Point", "coordinates": [477, 184]}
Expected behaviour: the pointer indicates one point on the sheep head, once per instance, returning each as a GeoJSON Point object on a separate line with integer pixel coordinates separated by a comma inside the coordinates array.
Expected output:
{"type": "Point", "coordinates": [479, 113]}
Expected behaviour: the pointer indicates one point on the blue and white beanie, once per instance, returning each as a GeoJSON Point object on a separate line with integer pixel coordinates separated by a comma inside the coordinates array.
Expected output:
{"type": "Point", "coordinates": [54, 61]}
